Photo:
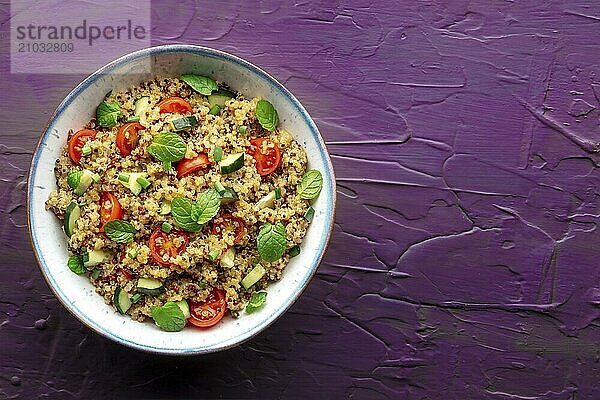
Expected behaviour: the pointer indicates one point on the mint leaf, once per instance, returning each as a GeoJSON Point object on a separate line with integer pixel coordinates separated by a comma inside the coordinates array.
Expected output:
{"type": "Point", "coordinates": [74, 177]}
{"type": "Point", "coordinates": [120, 231]}
{"type": "Point", "coordinates": [169, 317]}
{"type": "Point", "coordinates": [311, 184]}
{"type": "Point", "coordinates": [257, 300]}
{"type": "Point", "coordinates": [271, 241]}
{"type": "Point", "coordinates": [201, 84]}
{"type": "Point", "coordinates": [267, 115]}
{"type": "Point", "coordinates": [108, 114]}
{"type": "Point", "coordinates": [206, 207]}
{"type": "Point", "coordinates": [75, 264]}
{"type": "Point", "coordinates": [181, 209]}
{"type": "Point", "coordinates": [167, 147]}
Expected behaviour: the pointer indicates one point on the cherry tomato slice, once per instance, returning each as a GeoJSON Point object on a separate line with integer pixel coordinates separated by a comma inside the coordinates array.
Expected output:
{"type": "Point", "coordinates": [189, 165]}
{"type": "Point", "coordinates": [110, 209]}
{"type": "Point", "coordinates": [267, 155]}
{"type": "Point", "coordinates": [77, 141]}
{"type": "Point", "coordinates": [175, 105]}
{"type": "Point", "coordinates": [228, 221]}
{"type": "Point", "coordinates": [125, 272]}
{"type": "Point", "coordinates": [210, 311]}
{"type": "Point", "coordinates": [166, 245]}
{"type": "Point", "coordinates": [127, 137]}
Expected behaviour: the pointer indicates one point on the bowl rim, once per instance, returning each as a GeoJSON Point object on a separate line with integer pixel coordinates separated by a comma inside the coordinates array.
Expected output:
{"type": "Point", "coordinates": [207, 51]}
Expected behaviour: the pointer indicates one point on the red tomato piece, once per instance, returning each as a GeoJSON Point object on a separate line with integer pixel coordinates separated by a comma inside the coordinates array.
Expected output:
{"type": "Point", "coordinates": [127, 137]}
{"type": "Point", "coordinates": [166, 245]}
{"type": "Point", "coordinates": [267, 155]}
{"type": "Point", "coordinates": [175, 105]}
{"type": "Point", "coordinates": [110, 209]}
{"type": "Point", "coordinates": [210, 311]}
{"type": "Point", "coordinates": [189, 165]}
{"type": "Point", "coordinates": [227, 221]}
{"type": "Point", "coordinates": [77, 141]}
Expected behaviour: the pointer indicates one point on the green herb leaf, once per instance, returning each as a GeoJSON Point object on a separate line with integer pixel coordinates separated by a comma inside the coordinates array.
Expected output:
{"type": "Point", "coordinates": [167, 147]}
{"type": "Point", "coordinates": [74, 177]}
{"type": "Point", "coordinates": [169, 317]}
{"type": "Point", "coordinates": [206, 207]}
{"type": "Point", "coordinates": [311, 184]}
{"type": "Point", "coordinates": [120, 231]}
{"type": "Point", "coordinates": [271, 241]}
{"type": "Point", "coordinates": [108, 114]}
{"type": "Point", "coordinates": [257, 300]}
{"type": "Point", "coordinates": [181, 209]}
{"type": "Point", "coordinates": [267, 115]}
{"type": "Point", "coordinates": [75, 264]}
{"type": "Point", "coordinates": [201, 84]}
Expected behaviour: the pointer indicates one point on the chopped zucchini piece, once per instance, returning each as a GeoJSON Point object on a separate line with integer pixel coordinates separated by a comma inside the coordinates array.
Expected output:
{"type": "Point", "coordinates": [309, 214]}
{"type": "Point", "coordinates": [72, 213]}
{"type": "Point", "coordinates": [135, 181]}
{"type": "Point", "coordinates": [183, 305]}
{"type": "Point", "coordinates": [214, 110]}
{"type": "Point", "coordinates": [220, 97]}
{"type": "Point", "coordinates": [228, 258]}
{"type": "Point", "coordinates": [150, 286]}
{"type": "Point", "coordinates": [266, 201]}
{"type": "Point", "coordinates": [142, 105]}
{"type": "Point", "coordinates": [95, 257]}
{"type": "Point", "coordinates": [121, 300]}
{"type": "Point", "coordinates": [80, 181]}
{"type": "Point", "coordinates": [253, 276]}
{"type": "Point", "coordinates": [232, 163]}
{"type": "Point", "coordinates": [184, 123]}
{"type": "Point", "coordinates": [294, 251]}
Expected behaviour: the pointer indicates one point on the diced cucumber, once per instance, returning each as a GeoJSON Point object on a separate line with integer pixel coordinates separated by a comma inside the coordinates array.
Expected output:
{"type": "Point", "coordinates": [213, 254]}
{"type": "Point", "coordinates": [165, 207]}
{"type": "Point", "coordinates": [132, 181]}
{"type": "Point", "coordinates": [309, 214]}
{"type": "Point", "coordinates": [228, 258]}
{"type": "Point", "coordinates": [294, 251]}
{"type": "Point", "coordinates": [166, 227]}
{"type": "Point", "coordinates": [150, 286]}
{"type": "Point", "coordinates": [121, 300]}
{"type": "Point", "coordinates": [72, 213]}
{"type": "Point", "coordinates": [95, 257]}
{"type": "Point", "coordinates": [80, 181]}
{"type": "Point", "coordinates": [184, 123]}
{"type": "Point", "coordinates": [141, 107]}
{"type": "Point", "coordinates": [228, 196]}
{"type": "Point", "coordinates": [232, 163]}
{"type": "Point", "coordinates": [266, 201]}
{"type": "Point", "coordinates": [218, 153]}
{"type": "Point", "coordinates": [253, 276]}
{"type": "Point", "coordinates": [220, 97]}
{"type": "Point", "coordinates": [183, 305]}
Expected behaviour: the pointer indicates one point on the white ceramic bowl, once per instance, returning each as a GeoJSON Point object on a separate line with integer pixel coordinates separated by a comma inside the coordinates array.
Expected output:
{"type": "Point", "coordinates": [48, 239]}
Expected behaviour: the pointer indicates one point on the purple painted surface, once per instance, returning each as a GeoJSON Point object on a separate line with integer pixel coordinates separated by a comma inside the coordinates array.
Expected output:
{"type": "Point", "coordinates": [463, 265]}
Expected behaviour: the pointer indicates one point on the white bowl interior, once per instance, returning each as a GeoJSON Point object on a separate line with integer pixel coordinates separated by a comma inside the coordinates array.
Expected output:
{"type": "Point", "coordinates": [49, 240]}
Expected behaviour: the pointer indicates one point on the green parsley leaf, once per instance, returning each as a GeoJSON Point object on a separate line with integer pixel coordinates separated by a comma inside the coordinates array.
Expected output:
{"type": "Point", "coordinates": [108, 114]}
{"type": "Point", "coordinates": [75, 264]}
{"type": "Point", "coordinates": [167, 147]}
{"type": "Point", "coordinates": [74, 177]}
{"type": "Point", "coordinates": [257, 300]}
{"type": "Point", "coordinates": [120, 231]}
{"type": "Point", "coordinates": [201, 84]}
{"type": "Point", "coordinates": [169, 317]}
{"type": "Point", "coordinates": [271, 241]}
{"type": "Point", "coordinates": [267, 115]}
{"type": "Point", "coordinates": [311, 184]}
{"type": "Point", "coordinates": [181, 209]}
{"type": "Point", "coordinates": [206, 207]}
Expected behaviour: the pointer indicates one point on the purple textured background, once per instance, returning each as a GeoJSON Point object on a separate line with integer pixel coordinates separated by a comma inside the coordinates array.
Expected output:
{"type": "Point", "coordinates": [464, 262]}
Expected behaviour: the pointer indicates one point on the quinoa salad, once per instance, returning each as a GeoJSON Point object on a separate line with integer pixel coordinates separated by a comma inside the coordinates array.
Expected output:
{"type": "Point", "coordinates": [181, 200]}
